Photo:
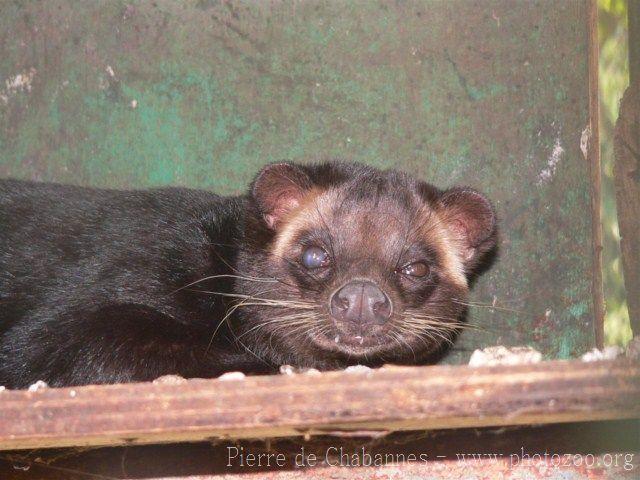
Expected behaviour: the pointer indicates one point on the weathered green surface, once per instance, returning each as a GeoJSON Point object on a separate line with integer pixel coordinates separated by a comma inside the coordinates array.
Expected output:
{"type": "Point", "coordinates": [201, 93]}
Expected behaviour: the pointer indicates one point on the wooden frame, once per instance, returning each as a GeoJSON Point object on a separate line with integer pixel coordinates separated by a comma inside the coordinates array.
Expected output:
{"type": "Point", "coordinates": [387, 399]}
{"type": "Point", "coordinates": [592, 137]}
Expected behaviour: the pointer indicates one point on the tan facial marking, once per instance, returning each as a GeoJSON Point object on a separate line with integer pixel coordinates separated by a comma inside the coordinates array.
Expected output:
{"type": "Point", "coordinates": [317, 205]}
{"type": "Point", "coordinates": [449, 251]}
{"type": "Point", "coordinates": [304, 216]}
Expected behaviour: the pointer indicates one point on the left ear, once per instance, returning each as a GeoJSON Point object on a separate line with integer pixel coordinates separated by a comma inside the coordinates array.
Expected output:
{"type": "Point", "coordinates": [471, 219]}
{"type": "Point", "coordinates": [278, 189]}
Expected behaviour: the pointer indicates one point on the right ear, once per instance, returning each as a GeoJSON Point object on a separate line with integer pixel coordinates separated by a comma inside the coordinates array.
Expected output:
{"type": "Point", "coordinates": [278, 189]}
{"type": "Point", "coordinates": [471, 219]}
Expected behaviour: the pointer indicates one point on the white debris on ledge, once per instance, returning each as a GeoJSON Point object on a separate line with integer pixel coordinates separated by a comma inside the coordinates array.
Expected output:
{"type": "Point", "coordinates": [39, 385]}
{"type": "Point", "coordinates": [608, 353]}
{"type": "Point", "coordinates": [170, 380]}
{"type": "Point", "coordinates": [501, 355]}
{"type": "Point", "coordinates": [231, 376]}
{"type": "Point", "coordinates": [287, 370]}
{"type": "Point", "coordinates": [2, 388]}
{"type": "Point", "coordinates": [358, 369]}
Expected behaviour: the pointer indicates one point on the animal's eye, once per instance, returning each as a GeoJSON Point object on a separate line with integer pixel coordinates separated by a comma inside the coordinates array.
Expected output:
{"type": "Point", "coordinates": [415, 269]}
{"type": "Point", "coordinates": [315, 257]}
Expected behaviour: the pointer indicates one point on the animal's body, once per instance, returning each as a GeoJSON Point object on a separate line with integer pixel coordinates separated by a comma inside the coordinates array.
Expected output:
{"type": "Point", "coordinates": [317, 266]}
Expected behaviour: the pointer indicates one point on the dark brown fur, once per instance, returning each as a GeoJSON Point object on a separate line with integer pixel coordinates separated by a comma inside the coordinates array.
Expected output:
{"type": "Point", "coordinates": [371, 222]}
{"type": "Point", "coordinates": [104, 286]}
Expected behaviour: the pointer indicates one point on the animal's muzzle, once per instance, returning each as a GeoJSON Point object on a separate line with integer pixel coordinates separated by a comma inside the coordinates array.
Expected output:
{"type": "Point", "coordinates": [361, 302]}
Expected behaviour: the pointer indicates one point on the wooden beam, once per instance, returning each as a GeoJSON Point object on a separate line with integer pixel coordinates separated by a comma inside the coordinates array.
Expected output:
{"type": "Point", "coordinates": [592, 136]}
{"type": "Point", "coordinates": [608, 466]}
{"type": "Point", "coordinates": [627, 172]}
{"type": "Point", "coordinates": [633, 12]}
{"type": "Point", "coordinates": [387, 399]}
{"type": "Point", "coordinates": [411, 453]}
{"type": "Point", "coordinates": [627, 180]}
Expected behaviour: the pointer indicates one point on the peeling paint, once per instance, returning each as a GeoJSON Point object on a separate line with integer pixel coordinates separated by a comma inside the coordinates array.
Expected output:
{"type": "Point", "coordinates": [585, 137]}
{"type": "Point", "coordinates": [20, 82]}
{"type": "Point", "coordinates": [552, 163]}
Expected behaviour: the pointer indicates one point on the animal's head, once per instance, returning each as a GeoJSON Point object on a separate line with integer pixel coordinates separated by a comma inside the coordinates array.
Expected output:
{"type": "Point", "coordinates": [345, 263]}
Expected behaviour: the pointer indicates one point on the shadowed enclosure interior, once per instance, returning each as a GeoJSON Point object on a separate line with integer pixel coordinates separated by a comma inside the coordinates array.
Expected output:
{"type": "Point", "coordinates": [203, 93]}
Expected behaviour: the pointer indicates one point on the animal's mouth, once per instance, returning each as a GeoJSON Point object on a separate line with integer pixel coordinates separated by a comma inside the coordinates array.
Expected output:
{"type": "Point", "coordinates": [353, 342]}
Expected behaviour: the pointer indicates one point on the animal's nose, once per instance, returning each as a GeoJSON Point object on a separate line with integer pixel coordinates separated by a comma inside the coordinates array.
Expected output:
{"type": "Point", "coordinates": [361, 302]}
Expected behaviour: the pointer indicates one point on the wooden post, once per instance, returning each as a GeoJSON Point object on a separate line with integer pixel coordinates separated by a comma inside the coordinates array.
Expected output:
{"type": "Point", "coordinates": [627, 172]}
{"type": "Point", "coordinates": [634, 41]}
{"type": "Point", "coordinates": [595, 172]}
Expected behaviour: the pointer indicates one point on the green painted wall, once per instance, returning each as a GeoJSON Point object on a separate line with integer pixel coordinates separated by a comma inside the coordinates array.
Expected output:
{"type": "Point", "coordinates": [491, 94]}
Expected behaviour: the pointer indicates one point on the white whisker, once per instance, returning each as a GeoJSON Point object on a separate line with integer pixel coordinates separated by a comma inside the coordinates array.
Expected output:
{"type": "Point", "coordinates": [212, 277]}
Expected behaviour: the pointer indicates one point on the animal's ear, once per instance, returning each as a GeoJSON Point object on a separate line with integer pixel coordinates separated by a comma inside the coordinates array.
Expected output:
{"type": "Point", "coordinates": [471, 220]}
{"type": "Point", "coordinates": [278, 189]}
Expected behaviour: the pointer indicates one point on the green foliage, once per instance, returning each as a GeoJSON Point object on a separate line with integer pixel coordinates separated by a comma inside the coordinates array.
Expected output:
{"type": "Point", "coordinates": [613, 79]}
{"type": "Point", "coordinates": [616, 8]}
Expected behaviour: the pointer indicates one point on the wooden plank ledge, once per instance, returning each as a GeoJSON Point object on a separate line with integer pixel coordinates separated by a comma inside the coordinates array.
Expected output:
{"type": "Point", "coordinates": [387, 399]}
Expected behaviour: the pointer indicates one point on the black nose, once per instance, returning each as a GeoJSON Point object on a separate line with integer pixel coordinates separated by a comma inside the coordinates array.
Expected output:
{"type": "Point", "coordinates": [361, 302]}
